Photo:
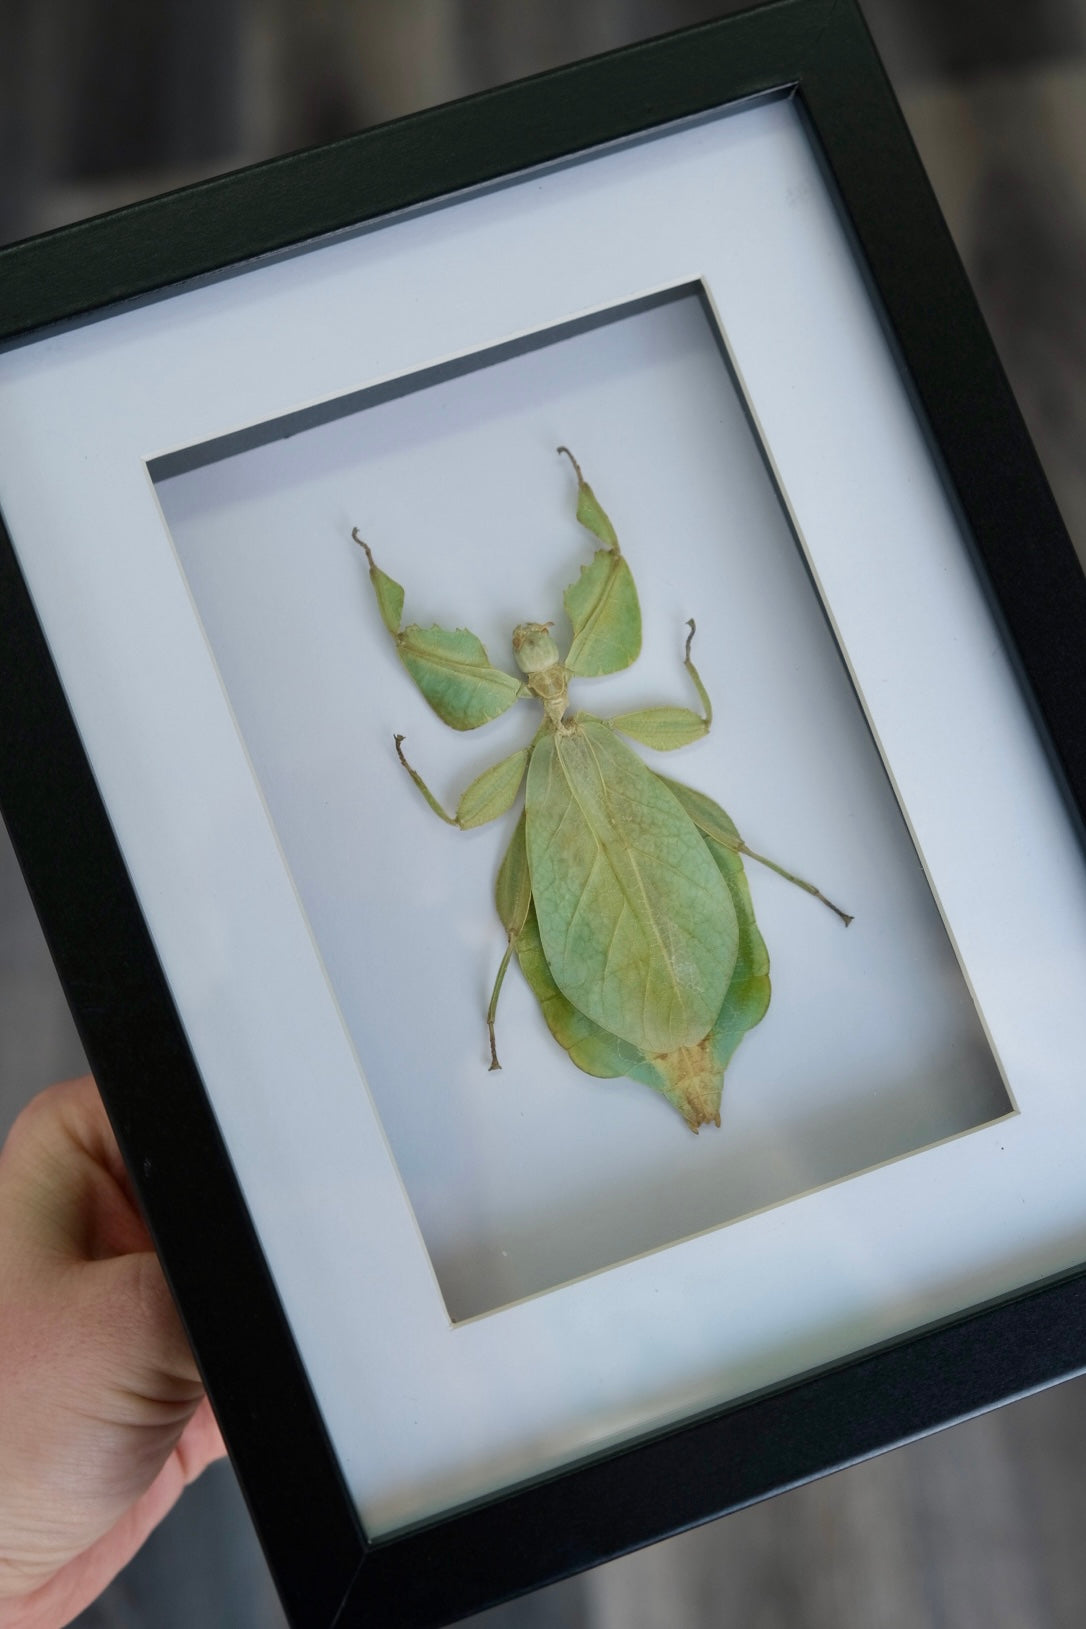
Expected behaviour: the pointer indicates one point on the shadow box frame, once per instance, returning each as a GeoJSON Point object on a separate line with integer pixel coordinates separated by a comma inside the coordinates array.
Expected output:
{"type": "Point", "coordinates": [812, 65]}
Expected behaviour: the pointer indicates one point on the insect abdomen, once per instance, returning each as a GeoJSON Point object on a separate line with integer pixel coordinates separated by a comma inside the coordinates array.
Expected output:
{"type": "Point", "coordinates": [636, 922]}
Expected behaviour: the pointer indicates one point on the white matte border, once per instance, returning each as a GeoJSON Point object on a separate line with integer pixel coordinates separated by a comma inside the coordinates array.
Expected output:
{"type": "Point", "coordinates": [422, 1415]}
{"type": "Point", "coordinates": [526, 1180]}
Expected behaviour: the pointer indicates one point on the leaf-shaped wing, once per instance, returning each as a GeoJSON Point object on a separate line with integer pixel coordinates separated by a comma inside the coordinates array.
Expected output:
{"type": "Point", "coordinates": [513, 887]}
{"type": "Point", "coordinates": [692, 1077]}
{"type": "Point", "coordinates": [636, 922]}
{"type": "Point", "coordinates": [707, 816]}
{"type": "Point", "coordinates": [590, 1047]}
{"type": "Point", "coordinates": [598, 1053]}
{"type": "Point", "coordinates": [747, 999]}
{"type": "Point", "coordinates": [748, 993]}
{"type": "Point", "coordinates": [453, 671]}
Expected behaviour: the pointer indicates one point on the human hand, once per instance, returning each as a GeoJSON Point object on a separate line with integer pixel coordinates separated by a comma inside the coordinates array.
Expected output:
{"type": "Point", "coordinates": [103, 1419]}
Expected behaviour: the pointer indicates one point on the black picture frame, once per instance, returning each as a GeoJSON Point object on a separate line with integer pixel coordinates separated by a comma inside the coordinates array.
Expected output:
{"type": "Point", "coordinates": [328, 1572]}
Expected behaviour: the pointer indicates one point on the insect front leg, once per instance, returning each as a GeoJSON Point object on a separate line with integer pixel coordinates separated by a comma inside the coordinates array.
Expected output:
{"type": "Point", "coordinates": [602, 605]}
{"type": "Point", "coordinates": [450, 666]}
{"type": "Point", "coordinates": [688, 664]}
{"type": "Point", "coordinates": [665, 728]}
{"type": "Point", "coordinates": [488, 796]}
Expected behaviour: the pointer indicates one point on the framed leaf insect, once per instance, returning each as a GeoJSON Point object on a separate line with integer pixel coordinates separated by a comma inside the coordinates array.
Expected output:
{"type": "Point", "coordinates": [622, 892]}
{"type": "Point", "coordinates": [465, 1338]}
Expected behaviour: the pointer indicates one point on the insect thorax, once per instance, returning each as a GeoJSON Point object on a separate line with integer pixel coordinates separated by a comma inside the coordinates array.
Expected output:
{"type": "Point", "coordinates": [552, 687]}
{"type": "Point", "coordinates": [544, 674]}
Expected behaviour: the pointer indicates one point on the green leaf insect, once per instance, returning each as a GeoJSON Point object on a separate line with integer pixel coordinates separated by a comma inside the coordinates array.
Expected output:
{"type": "Point", "coordinates": [622, 893]}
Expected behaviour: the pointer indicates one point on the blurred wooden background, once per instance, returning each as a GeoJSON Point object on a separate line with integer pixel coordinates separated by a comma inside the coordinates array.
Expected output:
{"type": "Point", "coordinates": [104, 101]}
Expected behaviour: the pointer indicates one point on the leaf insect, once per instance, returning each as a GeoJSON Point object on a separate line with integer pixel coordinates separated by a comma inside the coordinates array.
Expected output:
{"type": "Point", "coordinates": [622, 893]}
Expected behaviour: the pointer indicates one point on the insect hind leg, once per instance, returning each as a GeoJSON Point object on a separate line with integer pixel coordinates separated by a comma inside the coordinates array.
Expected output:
{"type": "Point", "coordinates": [513, 896]}
{"type": "Point", "coordinates": [789, 876]}
{"type": "Point", "coordinates": [492, 1010]}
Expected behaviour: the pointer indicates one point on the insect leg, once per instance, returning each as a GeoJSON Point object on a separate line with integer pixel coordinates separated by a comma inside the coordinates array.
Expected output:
{"type": "Point", "coordinates": [492, 1009]}
{"type": "Point", "coordinates": [450, 666]}
{"type": "Point", "coordinates": [710, 819]}
{"type": "Point", "coordinates": [589, 511]}
{"type": "Point", "coordinates": [703, 694]}
{"type": "Point", "coordinates": [442, 814]}
{"type": "Point", "coordinates": [513, 897]}
{"type": "Point", "coordinates": [808, 887]}
{"type": "Point", "coordinates": [665, 728]}
{"type": "Point", "coordinates": [602, 605]}
{"type": "Point", "coordinates": [489, 795]}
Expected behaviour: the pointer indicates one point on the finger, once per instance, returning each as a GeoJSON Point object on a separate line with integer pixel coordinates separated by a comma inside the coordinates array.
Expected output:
{"type": "Point", "coordinates": [63, 1184]}
{"type": "Point", "coordinates": [131, 1329]}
